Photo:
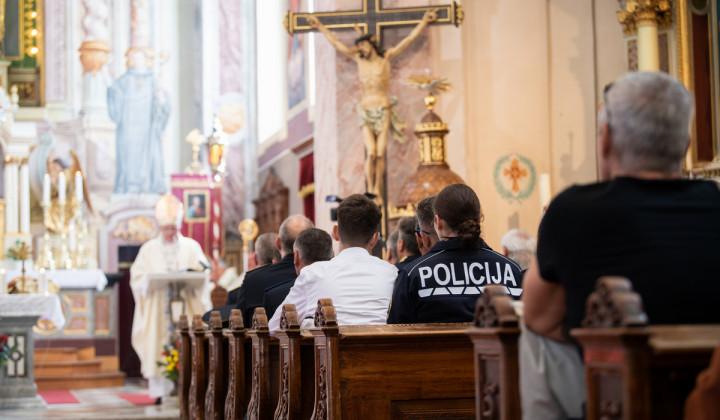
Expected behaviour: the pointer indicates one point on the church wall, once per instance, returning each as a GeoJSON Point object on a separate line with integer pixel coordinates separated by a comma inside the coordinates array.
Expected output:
{"type": "Point", "coordinates": [506, 73]}
{"type": "Point", "coordinates": [447, 61]}
{"type": "Point", "coordinates": [572, 93]}
{"type": "Point", "coordinates": [609, 46]}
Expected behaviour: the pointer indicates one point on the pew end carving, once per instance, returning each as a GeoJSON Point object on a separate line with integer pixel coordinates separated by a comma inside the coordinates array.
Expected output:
{"type": "Point", "coordinates": [184, 368]}
{"type": "Point", "coordinates": [198, 377]}
{"type": "Point", "coordinates": [635, 370]}
{"type": "Point", "coordinates": [265, 372]}
{"type": "Point", "coordinates": [495, 344]}
{"type": "Point", "coordinates": [235, 401]}
{"type": "Point", "coordinates": [296, 361]}
{"type": "Point", "coordinates": [217, 372]}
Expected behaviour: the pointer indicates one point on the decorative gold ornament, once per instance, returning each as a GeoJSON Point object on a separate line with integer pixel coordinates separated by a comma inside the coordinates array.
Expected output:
{"type": "Point", "coordinates": [644, 12]}
{"type": "Point", "coordinates": [93, 55]}
{"type": "Point", "coordinates": [249, 230]}
{"type": "Point", "coordinates": [195, 138]}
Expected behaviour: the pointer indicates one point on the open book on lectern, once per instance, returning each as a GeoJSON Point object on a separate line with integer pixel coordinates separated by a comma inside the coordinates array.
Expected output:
{"type": "Point", "coordinates": [161, 281]}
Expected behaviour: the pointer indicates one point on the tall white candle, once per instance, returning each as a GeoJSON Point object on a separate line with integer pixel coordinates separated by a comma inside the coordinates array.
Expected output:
{"type": "Point", "coordinates": [42, 283]}
{"type": "Point", "coordinates": [3, 282]}
{"type": "Point", "coordinates": [46, 189]}
{"type": "Point", "coordinates": [544, 190]}
{"type": "Point", "coordinates": [61, 186]}
{"type": "Point", "coordinates": [78, 187]}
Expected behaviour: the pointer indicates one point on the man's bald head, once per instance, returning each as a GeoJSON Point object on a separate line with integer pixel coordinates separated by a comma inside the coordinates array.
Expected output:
{"type": "Point", "coordinates": [289, 231]}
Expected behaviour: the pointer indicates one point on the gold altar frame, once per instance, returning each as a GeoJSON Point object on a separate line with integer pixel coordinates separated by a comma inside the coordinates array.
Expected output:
{"type": "Point", "coordinates": [685, 73]}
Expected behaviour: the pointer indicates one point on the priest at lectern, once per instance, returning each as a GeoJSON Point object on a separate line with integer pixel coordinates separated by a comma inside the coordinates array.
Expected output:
{"type": "Point", "coordinates": [170, 252]}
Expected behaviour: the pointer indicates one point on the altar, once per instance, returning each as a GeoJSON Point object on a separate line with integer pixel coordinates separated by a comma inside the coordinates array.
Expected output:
{"type": "Point", "coordinates": [87, 306]}
{"type": "Point", "coordinates": [18, 314]}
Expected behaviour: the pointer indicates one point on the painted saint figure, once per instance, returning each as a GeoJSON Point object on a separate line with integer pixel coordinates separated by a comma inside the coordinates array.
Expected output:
{"type": "Point", "coordinates": [375, 108]}
{"type": "Point", "coordinates": [140, 109]}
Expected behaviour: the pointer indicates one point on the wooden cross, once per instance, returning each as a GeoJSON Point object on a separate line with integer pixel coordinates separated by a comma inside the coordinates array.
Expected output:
{"type": "Point", "coordinates": [373, 18]}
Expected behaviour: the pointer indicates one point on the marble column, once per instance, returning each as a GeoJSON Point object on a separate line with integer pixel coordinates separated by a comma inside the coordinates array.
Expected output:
{"type": "Point", "coordinates": [139, 23]}
{"type": "Point", "coordinates": [24, 197]}
{"type": "Point", "coordinates": [11, 195]}
{"type": "Point", "coordinates": [644, 17]}
{"type": "Point", "coordinates": [93, 55]}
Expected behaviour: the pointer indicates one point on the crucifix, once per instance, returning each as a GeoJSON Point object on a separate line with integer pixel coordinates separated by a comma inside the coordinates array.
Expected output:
{"type": "Point", "coordinates": [373, 18]}
{"type": "Point", "coordinates": [377, 117]}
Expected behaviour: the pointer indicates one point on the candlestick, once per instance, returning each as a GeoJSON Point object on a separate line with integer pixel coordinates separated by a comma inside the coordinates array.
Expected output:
{"type": "Point", "coordinates": [78, 187]}
{"type": "Point", "coordinates": [46, 189]}
{"type": "Point", "coordinates": [544, 191]}
{"type": "Point", "coordinates": [42, 283]}
{"type": "Point", "coordinates": [61, 187]}
{"type": "Point", "coordinates": [3, 282]}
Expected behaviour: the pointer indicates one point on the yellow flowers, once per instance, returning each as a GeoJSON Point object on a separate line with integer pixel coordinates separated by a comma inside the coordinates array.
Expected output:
{"type": "Point", "coordinates": [169, 362]}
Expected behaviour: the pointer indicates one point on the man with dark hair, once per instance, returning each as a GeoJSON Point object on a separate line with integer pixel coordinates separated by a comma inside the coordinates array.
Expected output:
{"type": "Point", "coordinates": [312, 245]}
{"type": "Point", "coordinates": [253, 288]}
{"type": "Point", "coordinates": [266, 253]}
{"type": "Point", "coordinates": [424, 230]}
{"type": "Point", "coordinates": [645, 222]}
{"type": "Point", "coordinates": [359, 284]}
{"type": "Point", "coordinates": [407, 249]}
{"type": "Point", "coordinates": [250, 294]}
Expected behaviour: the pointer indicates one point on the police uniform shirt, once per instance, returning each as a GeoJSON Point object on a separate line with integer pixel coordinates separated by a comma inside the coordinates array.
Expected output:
{"type": "Point", "coordinates": [444, 284]}
{"type": "Point", "coordinates": [359, 285]}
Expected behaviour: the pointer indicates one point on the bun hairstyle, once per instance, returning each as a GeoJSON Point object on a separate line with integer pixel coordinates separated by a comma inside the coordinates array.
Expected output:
{"type": "Point", "coordinates": [459, 207]}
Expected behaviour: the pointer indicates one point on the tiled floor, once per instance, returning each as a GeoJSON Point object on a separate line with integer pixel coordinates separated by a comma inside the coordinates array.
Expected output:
{"type": "Point", "coordinates": [99, 404]}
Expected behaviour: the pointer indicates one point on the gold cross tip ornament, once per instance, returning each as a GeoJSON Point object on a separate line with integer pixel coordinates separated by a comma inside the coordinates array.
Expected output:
{"type": "Point", "coordinates": [248, 229]}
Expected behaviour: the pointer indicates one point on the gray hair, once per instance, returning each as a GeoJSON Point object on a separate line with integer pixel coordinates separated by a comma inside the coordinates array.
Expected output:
{"type": "Point", "coordinates": [392, 242]}
{"type": "Point", "coordinates": [648, 114]}
{"type": "Point", "coordinates": [265, 248]}
{"type": "Point", "coordinates": [520, 246]}
{"type": "Point", "coordinates": [290, 229]}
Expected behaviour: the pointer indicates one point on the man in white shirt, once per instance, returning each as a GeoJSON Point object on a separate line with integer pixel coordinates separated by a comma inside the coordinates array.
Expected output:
{"type": "Point", "coordinates": [359, 284]}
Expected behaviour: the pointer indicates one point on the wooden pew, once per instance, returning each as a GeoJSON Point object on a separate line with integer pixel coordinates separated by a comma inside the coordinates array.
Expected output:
{"type": "Point", "coordinates": [634, 370]}
{"type": "Point", "coordinates": [184, 368]}
{"type": "Point", "coordinates": [391, 371]}
{"type": "Point", "coordinates": [296, 357]}
{"type": "Point", "coordinates": [217, 372]}
{"type": "Point", "coordinates": [236, 401]}
{"type": "Point", "coordinates": [495, 340]}
{"type": "Point", "coordinates": [265, 369]}
{"type": "Point", "coordinates": [198, 378]}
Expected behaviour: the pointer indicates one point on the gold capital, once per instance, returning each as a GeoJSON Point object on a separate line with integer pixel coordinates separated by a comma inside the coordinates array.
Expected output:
{"type": "Point", "coordinates": [644, 12]}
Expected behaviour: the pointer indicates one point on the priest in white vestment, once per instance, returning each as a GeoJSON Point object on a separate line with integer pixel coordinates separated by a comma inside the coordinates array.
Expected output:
{"type": "Point", "coordinates": [152, 326]}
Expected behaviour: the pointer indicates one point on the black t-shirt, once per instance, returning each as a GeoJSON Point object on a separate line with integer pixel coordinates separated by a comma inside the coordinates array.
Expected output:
{"type": "Point", "coordinates": [444, 284]}
{"type": "Point", "coordinates": [663, 235]}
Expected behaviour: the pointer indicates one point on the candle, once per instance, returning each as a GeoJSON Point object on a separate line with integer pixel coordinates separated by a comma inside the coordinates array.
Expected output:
{"type": "Point", "coordinates": [61, 187]}
{"type": "Point", "coordinates": [3, 282]}
{"type": "Point", "coordinates": [42, 283]}
{"type": "Point", "coordinates": [46, 189]}
{"type": "Point", "coordinates": [544, 191]}
{"type": "Point", "coordinates": [78, 187]}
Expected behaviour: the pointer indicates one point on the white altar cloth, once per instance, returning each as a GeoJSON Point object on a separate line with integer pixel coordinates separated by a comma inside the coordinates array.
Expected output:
{"type": "Point", "coordinates": [46, 307]}
{"type": "Point", "coordinates": [85, 278]}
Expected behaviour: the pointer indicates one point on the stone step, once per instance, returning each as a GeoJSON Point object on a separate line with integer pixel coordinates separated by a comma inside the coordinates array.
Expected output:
{"type": "Point", "coordinates": [55, 354]}
{"type": "Point", "coordinates": [95, 380]}
{"type": "Point", "coordinates": [67, 369]}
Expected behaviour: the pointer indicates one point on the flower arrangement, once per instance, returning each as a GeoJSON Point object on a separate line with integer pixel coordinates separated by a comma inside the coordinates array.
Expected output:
{"type": "Point", "coordinates": [169, 361]}
{"type": "Point", "coordinates": [5, 350]}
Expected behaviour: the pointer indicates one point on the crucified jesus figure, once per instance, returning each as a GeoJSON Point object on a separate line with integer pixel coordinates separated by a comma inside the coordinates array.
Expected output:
{"type": "Point", "coordinates": [377, 117]}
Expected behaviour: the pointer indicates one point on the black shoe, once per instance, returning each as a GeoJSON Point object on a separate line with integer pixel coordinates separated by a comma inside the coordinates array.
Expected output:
{"type": "Point", "coordinates": [158, 401]}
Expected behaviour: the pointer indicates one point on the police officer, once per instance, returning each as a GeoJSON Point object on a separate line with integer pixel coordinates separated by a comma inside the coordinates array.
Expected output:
{"type": "Point", "coordinates": [444, 284]}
